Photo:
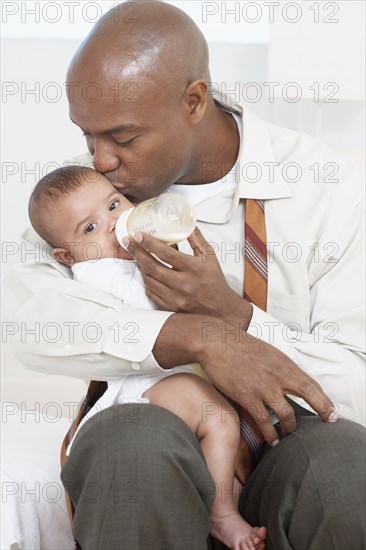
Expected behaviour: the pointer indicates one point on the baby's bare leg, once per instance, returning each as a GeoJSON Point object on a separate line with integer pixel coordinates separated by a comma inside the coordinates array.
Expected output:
{"type": "Point", "coordinates": [216, 425]}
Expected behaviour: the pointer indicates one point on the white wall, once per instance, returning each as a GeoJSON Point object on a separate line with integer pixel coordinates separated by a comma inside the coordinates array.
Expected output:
{"type": "Point", "coordinates": [36, 131]}
{"type": "Point", "coordinates": [72, 20]}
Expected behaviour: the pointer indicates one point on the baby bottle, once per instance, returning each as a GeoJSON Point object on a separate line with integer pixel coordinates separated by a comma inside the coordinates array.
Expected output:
{"type": "Point", "coordinates": [168, 217]}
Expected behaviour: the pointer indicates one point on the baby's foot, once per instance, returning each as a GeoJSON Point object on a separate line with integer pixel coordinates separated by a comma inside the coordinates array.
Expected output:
{"type": "Point", "coordinates": [236, 533]}
{"type": "Point", "coordinates": [255, 540]}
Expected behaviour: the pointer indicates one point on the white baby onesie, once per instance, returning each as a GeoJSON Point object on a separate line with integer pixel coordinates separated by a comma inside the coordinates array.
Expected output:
{"type": "Point", "coordinates": [121, 278]}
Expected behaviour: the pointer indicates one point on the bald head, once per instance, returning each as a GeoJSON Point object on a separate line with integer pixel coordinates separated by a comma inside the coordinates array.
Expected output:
{"type": "Point", "coordinates": [139, 90]}
{"type": "Point", "coordinates": [144, 40]}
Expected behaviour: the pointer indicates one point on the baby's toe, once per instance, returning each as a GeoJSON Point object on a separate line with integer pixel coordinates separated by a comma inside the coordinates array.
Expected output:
{"type": "Point", "coordinates": [260, 533]}
{"type": "Point", "coordinates": [248, 544]}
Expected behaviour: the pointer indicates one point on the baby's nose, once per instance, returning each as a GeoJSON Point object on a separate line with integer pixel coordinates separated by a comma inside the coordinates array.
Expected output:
{"type": "Point", "coordinates": [112, 223]}
{"type": "Point", "coordinates": [117, 214]}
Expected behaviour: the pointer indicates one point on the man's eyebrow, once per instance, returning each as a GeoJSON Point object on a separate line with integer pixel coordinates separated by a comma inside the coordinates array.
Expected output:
{"type": "Point", "coordinates": [116, 129]}
{"type": "Point", "coordinates": [122, 128]}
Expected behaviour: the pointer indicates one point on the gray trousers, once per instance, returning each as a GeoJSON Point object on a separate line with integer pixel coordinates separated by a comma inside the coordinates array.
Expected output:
{"type": "Point", "coordinates": [138, 480]}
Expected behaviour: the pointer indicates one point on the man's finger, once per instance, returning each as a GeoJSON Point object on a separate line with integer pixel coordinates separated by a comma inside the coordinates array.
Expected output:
{"type": "Point", "coordinates": [199, 244]}
{"type": "Point", "coordinates": [285, 414]}
{"type": "Point", "coordinates": [158, 292]}
{"type": "Point", "coordinates": [264, 422]}
{"type": "Point", "coordinates": [313, 394]}
{"type": "Point", "coordinates": [166, 253]}
{"type": "Point", "coordinates": [148, 265]}
{"type": "Point", "coordinates": [160, 303]}
{"type": "Point", "coordinates": [196, 240]}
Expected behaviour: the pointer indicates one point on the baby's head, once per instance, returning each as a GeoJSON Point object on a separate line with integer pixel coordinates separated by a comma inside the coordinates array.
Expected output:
{"type": "Point", "coordinates": [75, 209]}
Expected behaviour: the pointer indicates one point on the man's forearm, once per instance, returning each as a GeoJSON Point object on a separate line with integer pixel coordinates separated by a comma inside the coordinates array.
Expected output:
{"type": "Point", "coordinates": [180, 340]}
{"type": "Point", "coordinates": [237, 310]}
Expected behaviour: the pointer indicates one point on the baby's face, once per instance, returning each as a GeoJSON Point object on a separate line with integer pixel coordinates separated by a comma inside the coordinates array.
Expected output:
{"type": "Point", "coordinates": [84, 221]}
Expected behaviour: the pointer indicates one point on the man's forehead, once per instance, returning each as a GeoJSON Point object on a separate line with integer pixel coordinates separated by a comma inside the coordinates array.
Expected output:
{"type": "Point", "coordinates": [107, 108]}
{"type": "Point", "coordinates": [98, 119]}
{"type": "Point", "coordinates": [91, 94]}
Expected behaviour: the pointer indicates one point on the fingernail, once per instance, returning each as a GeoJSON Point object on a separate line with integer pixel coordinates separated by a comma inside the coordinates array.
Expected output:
{"type": "Point", "coordinates": [126, 242]}
{"type": "Point", "coordinates": [333, 417]}
{"type": "Point", "coordinates": [275, 442]}
{"type": "Point", "coordinates": [138, 237]}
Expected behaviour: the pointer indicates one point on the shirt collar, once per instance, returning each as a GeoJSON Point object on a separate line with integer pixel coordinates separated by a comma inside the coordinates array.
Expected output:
{"type": "Point", "coordinates": [256, 158]}
{"type": "Point", "coordinates": [216, 202]}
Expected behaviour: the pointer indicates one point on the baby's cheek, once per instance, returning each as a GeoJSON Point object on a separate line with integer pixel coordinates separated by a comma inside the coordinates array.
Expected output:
{"type": "Point", "coordinates": [90, 251]}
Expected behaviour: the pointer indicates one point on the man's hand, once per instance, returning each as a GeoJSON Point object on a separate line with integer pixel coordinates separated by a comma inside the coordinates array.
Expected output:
{"type": "Point", "coordinates": [256, 374]}
{"type": "Point", "coordinates": [248, 370]}
{"type": "Point", "coordinates": [193, 284]}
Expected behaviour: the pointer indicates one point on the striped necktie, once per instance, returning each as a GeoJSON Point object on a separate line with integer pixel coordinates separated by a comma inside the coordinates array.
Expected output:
{"type": "Point", "coordinates": [256, 268]}
{"type": "Point", "coordinates": [255, 291]}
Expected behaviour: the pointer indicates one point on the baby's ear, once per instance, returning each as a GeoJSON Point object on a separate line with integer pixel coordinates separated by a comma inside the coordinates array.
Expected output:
{"type": "Point", "coordinates": [63, 255]}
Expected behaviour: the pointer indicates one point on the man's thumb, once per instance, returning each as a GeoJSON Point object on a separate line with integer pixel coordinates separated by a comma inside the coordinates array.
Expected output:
{"type": "Point", "coordinates": [199, 244]}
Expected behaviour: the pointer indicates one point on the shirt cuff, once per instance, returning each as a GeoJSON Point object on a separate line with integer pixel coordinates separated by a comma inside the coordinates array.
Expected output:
{"type": "Point", "coordinates": [134, 340]}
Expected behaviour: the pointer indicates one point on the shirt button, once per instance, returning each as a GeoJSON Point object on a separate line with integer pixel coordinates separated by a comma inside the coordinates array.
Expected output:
{"type": "Point", "coordinates": [135, 366]}
{"type": "Point", "coordinates": [67, 347]}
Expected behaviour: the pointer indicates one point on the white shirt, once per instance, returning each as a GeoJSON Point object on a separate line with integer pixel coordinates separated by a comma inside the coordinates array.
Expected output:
{"type": "Point", "coordinates": [316, 285]}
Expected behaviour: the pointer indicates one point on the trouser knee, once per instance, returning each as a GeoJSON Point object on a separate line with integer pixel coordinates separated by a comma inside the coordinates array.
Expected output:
{"type": "Point", "coordinates": [132, 438]}
{"type": "Point", "coordinates": [138, 463]}
{"type": "Point", "coordinates": [308, 490]}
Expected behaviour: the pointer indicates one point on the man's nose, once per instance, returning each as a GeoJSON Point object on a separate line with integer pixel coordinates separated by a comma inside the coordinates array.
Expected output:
{"type": "Point", "coordinates": [104, 159]}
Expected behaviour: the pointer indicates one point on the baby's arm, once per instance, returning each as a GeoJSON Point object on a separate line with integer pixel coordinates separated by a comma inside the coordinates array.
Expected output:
{"type": "Point", "coordinates": [118, 277]}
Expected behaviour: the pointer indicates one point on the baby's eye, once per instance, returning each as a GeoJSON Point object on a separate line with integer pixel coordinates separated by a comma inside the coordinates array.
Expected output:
{"type": "Point", "coordinates": [114, 205]}
{"type": "Point", "coordinates": [90, 228]}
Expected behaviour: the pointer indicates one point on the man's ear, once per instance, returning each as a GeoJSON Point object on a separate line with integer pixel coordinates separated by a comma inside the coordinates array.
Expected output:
{"type": "Point", "coordinates": [63, 255]}
{"type": "Point", "coordinates": [196, 101]}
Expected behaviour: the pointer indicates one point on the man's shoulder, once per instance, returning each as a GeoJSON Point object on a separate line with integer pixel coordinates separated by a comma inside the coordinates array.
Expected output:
{"type": "Point", "coordinates": [305, 161]}
{"type": "Point", "coordinates": [285, 142]}
{"type": "Point", "coordinates": [333, 171]}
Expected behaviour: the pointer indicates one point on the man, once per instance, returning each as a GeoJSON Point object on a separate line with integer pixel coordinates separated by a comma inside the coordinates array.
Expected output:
{"type": "Point", "coordinates": [153, 124]}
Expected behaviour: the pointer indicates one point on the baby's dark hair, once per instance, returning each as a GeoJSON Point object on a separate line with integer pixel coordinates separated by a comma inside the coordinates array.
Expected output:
{"type": "Point", "coordinates": [49, 190]}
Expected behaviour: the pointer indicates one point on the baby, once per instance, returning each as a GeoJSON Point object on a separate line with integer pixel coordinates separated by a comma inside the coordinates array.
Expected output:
{"type": "Point", "coordinates": [75, 210]}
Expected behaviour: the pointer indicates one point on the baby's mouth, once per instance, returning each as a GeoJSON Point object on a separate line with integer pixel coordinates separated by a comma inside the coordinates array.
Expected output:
{"type": "Point", "coordinates": [122, 253]}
